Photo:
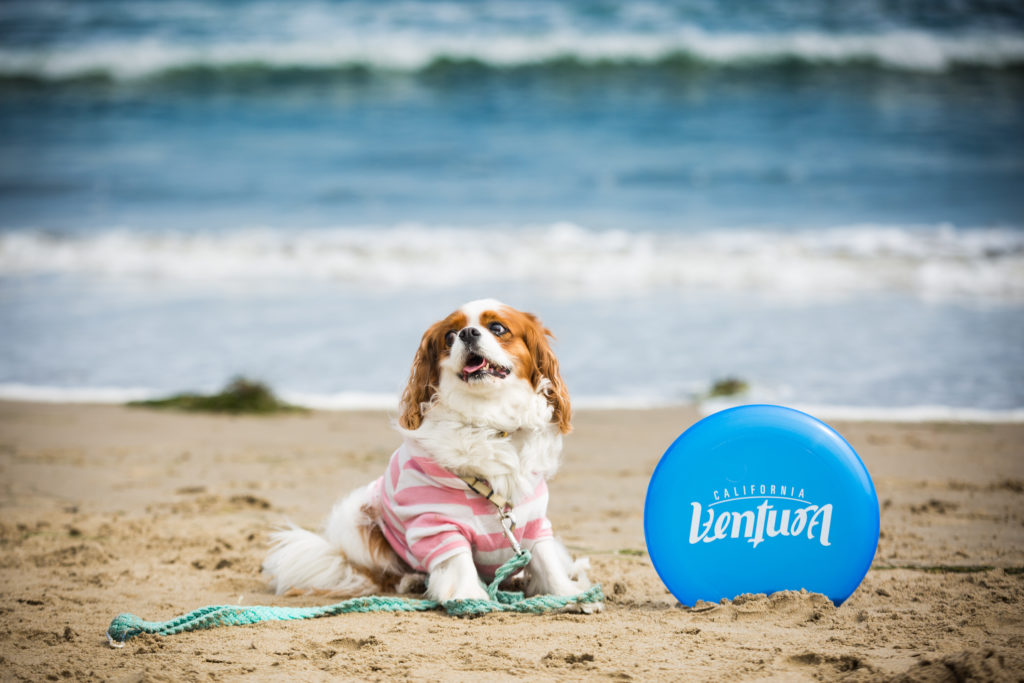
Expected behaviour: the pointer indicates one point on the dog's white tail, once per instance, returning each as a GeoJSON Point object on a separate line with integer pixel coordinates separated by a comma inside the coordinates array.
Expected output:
{"type": "Point", "coordinates": [337, 562]}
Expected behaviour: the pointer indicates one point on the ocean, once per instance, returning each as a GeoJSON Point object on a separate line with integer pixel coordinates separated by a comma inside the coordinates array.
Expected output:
{"type": "Point", "coordinates": [825, 200]}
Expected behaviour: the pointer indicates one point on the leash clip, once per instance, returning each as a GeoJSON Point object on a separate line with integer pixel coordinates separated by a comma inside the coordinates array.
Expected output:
{"type": "Point", "coordinates": [508, 523]}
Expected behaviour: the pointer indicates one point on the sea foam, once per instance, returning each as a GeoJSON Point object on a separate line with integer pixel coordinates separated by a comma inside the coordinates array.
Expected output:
{"type": "Point", "coordinates": [411, 50]}
{"type": "Point", "coordinates": [928, 261]}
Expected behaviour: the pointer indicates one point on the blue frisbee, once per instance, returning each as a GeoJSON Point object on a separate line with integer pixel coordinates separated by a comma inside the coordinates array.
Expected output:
{"type": "Point", "coordinates": [758, 499]}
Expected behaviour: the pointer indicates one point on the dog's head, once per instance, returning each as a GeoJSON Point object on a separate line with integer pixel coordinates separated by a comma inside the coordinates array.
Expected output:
{"type": "Point", "coordinates": [484, 352]}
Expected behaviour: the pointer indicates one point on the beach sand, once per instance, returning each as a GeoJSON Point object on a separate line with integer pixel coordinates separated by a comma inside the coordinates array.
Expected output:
{"type": "Point", "coordinates": [109, 509]}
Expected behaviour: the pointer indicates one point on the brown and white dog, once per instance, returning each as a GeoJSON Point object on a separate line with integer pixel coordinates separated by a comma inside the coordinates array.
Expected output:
{"type": "Point", "coordinates": [484, 402]}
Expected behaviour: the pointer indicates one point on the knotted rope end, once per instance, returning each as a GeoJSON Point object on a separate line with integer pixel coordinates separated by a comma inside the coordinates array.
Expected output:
{"type": "Point", "coordinates": [123, 627]}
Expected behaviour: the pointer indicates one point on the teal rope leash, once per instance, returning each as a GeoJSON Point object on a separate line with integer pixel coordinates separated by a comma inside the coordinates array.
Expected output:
{"type": "Point", "coordinates": [126, 626]}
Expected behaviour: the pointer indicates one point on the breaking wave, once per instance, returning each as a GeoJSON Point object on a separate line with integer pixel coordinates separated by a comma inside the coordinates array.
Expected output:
{"type": "Point", "coordinates": [929, 261]}
{"type": "Point", "coordinates": [154, 58]}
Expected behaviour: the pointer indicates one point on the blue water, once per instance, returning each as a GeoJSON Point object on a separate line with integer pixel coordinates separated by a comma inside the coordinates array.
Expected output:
{"type": "Point", "coordinates": [823, 199]}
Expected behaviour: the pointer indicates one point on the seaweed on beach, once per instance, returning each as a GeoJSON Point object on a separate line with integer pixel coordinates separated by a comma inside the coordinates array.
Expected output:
{"type": "Point", "coordinates": [241, 396]}
{"type": "Point", "coordinates": [728, 386]}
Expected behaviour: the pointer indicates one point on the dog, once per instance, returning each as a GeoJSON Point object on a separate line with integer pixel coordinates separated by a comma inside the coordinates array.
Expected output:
{"type": "Point", "coordinates": [481, 420]}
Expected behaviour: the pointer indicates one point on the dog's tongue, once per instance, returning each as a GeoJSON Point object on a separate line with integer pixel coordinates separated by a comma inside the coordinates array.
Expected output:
{"type": "Point", "coordinates": [473, 363]}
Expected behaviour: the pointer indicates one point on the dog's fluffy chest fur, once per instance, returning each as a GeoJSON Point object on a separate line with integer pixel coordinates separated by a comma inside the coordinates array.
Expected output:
{"type": "Point", "coordinates": [507, 456]}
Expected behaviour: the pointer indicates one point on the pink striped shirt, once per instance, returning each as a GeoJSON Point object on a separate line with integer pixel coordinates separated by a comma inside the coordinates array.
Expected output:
{"type": "Point", "coordinates": [428, 515]}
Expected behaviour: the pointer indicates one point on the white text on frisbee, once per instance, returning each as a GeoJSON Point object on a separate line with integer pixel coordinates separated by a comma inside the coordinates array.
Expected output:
{"type": "Point", "coordinates": [767, 520]}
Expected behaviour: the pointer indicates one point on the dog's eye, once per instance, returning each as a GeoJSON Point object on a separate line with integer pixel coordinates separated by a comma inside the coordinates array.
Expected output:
{"type": "Point", "coordinates": [449, 338]}
{"type": "Point", "coordinates": [497, 329]}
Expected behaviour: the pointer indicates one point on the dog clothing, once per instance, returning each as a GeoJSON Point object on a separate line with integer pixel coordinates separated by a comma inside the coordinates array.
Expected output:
{"type": "Point", "coordinates": [428, 515]}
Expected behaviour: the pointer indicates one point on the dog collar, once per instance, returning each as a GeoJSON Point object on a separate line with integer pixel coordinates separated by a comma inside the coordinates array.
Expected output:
{"type": "Point", "coordinates": [481, 487]}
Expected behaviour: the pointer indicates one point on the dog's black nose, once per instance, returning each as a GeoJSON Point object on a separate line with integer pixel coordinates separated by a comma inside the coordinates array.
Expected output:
{"type": "Point", "coordinates": [468, 335]}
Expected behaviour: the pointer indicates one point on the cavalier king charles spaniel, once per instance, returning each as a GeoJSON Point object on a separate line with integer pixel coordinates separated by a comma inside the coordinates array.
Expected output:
{"type": "Point", "coordinates": [481, 421]}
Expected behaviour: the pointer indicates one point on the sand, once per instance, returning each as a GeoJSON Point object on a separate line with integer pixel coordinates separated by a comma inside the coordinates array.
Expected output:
{"type": "Point", "coordinates": [109, 509]}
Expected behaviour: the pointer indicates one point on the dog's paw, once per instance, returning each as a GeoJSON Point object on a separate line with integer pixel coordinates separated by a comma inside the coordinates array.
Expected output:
{"type": "Point", "coordinates": [478, 594]}
{"type": "Point", "coordinates": [464, 592]}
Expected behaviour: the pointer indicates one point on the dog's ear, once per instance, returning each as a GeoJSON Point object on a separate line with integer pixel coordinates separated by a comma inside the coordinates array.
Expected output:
{"type": "Point", "coordinates": [545, 366]}
{"type": "Point", "coordinates": [424, 376]}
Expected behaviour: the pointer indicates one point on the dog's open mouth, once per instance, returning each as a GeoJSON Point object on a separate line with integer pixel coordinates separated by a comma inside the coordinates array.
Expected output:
{"type": "Point", "coordinates": [478, 367]}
